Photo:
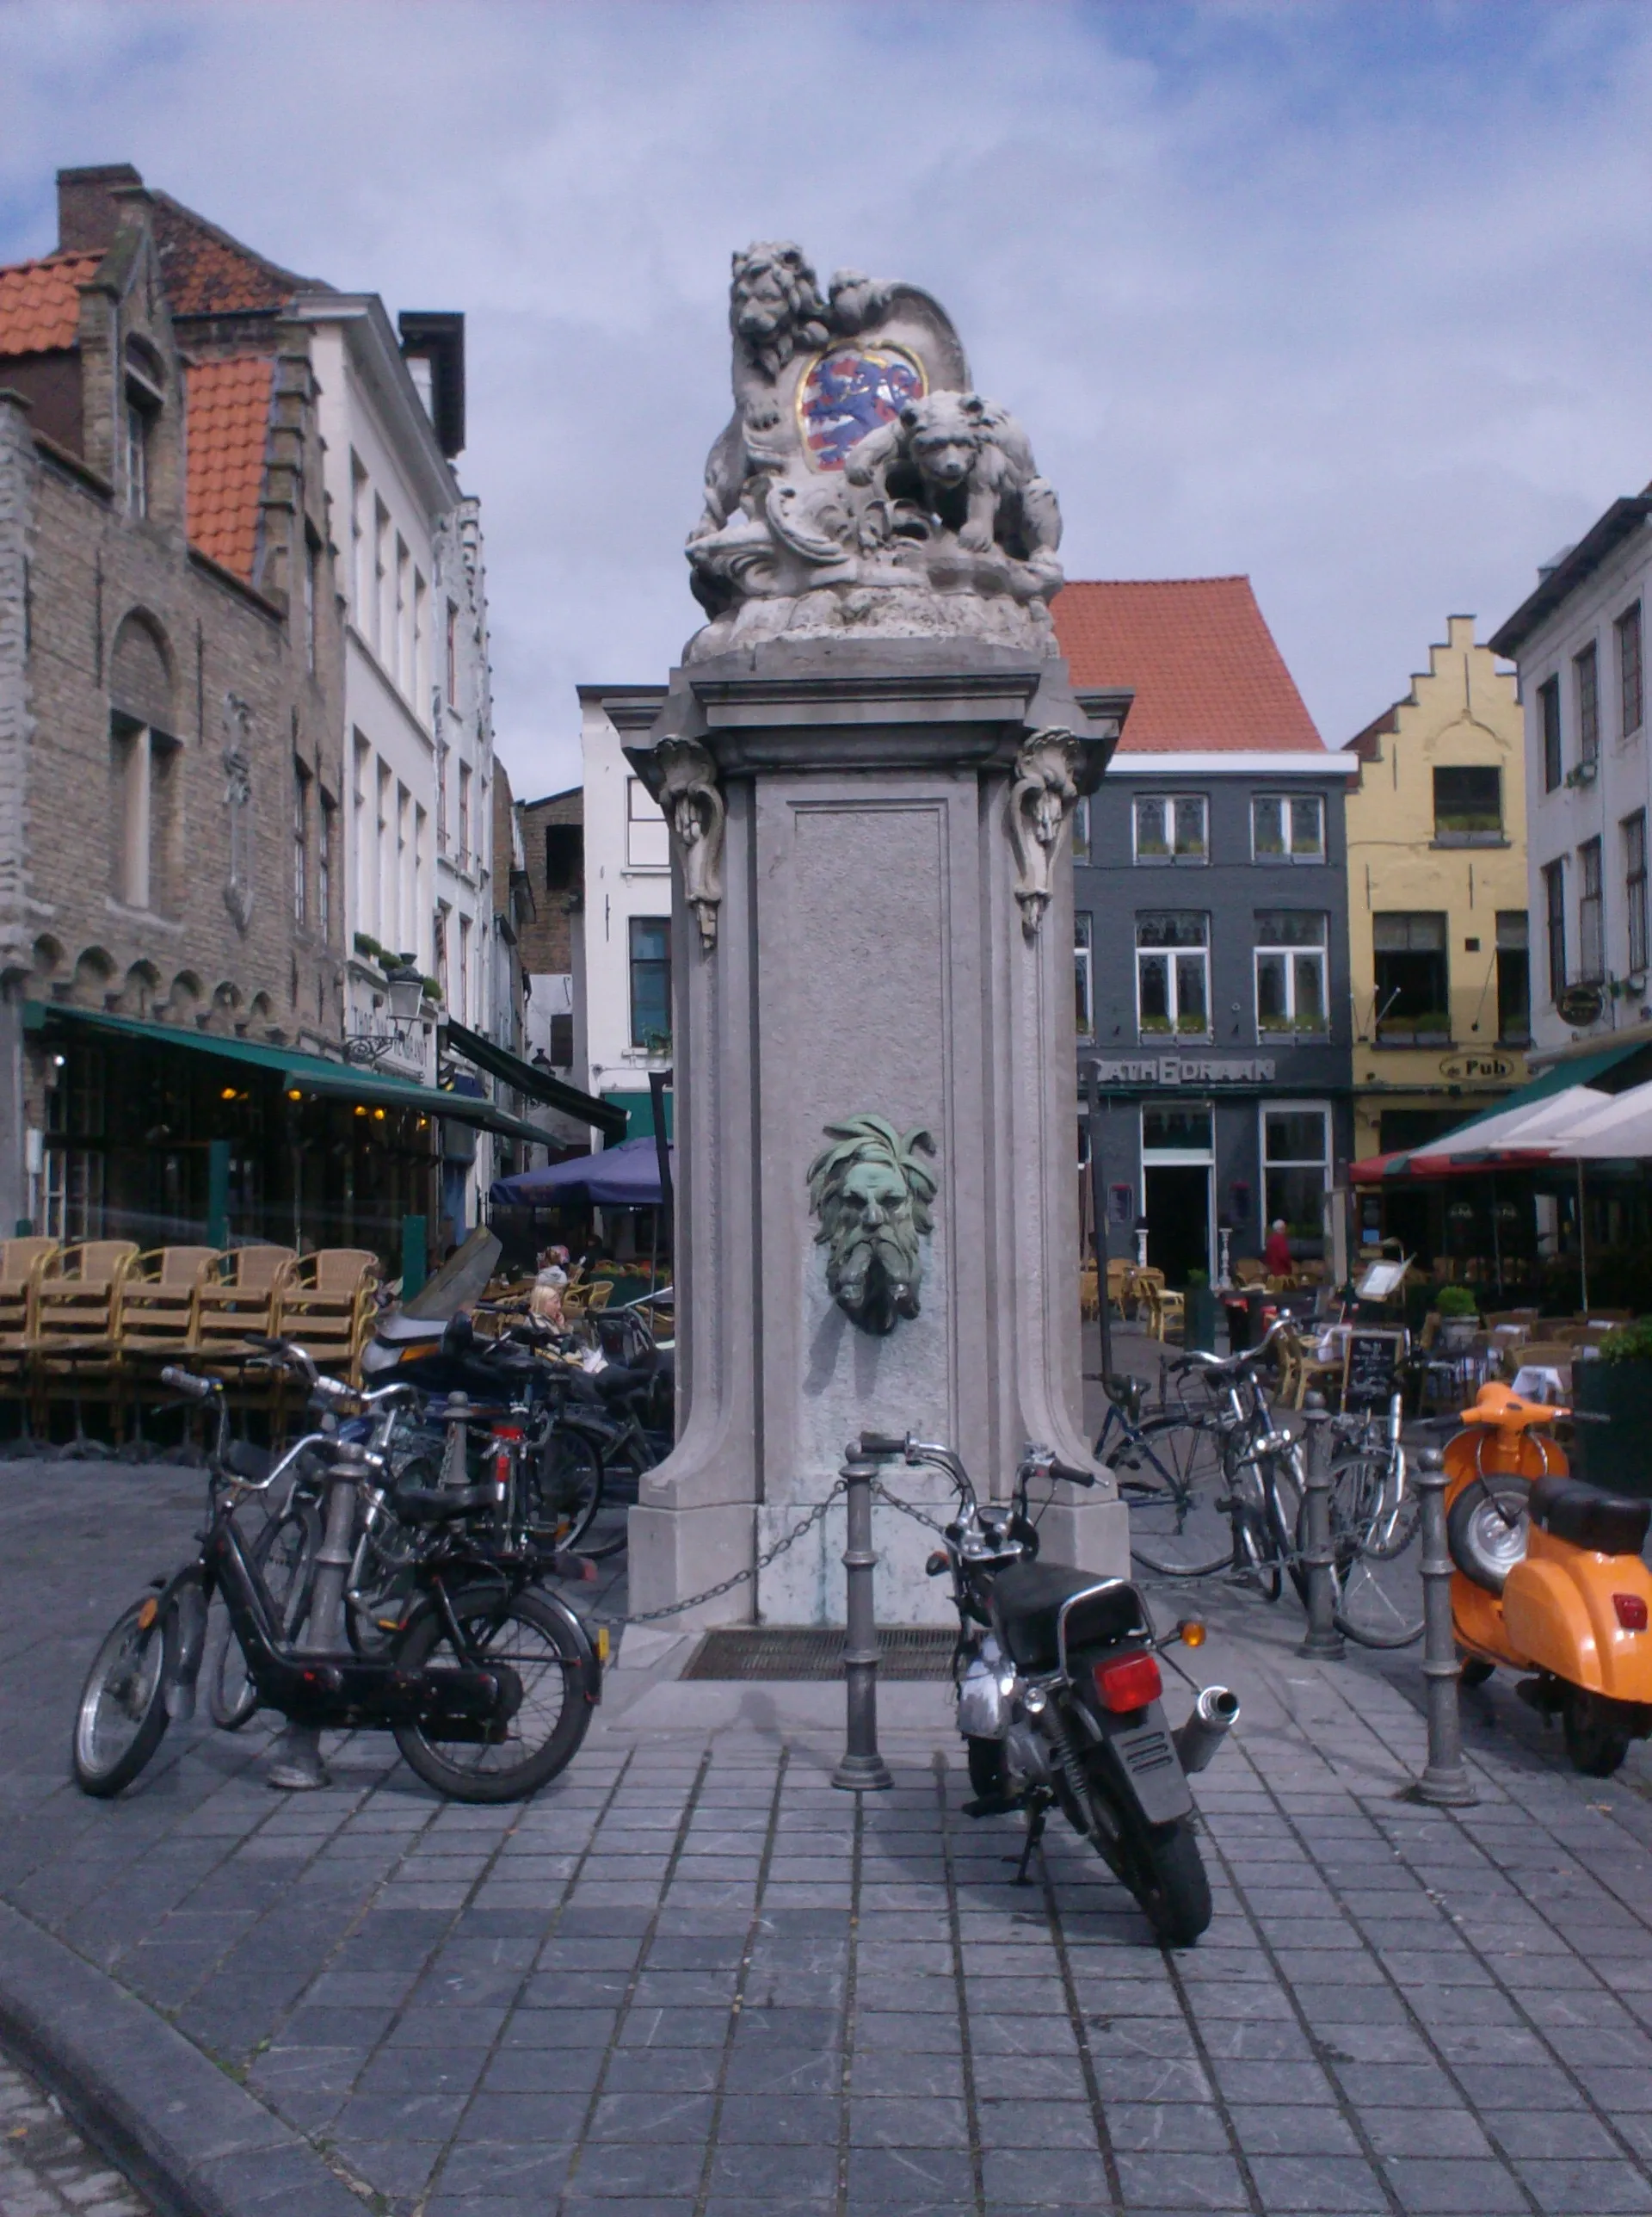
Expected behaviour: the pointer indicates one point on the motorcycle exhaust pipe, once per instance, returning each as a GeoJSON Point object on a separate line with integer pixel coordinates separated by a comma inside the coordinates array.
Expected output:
{"type": "Point", "coordinates": [1215, 1714]}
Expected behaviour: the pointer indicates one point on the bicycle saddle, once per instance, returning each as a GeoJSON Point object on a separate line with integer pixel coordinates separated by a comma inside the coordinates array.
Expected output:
{"type": "Point", "coordinates": [1589, 1516]}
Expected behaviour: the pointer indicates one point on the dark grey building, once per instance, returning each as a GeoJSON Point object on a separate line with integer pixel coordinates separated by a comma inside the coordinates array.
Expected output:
{"type": "Point", "coordinates": [1211, 915]}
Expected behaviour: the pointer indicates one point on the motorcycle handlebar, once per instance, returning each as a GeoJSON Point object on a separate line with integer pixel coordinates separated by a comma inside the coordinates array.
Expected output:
{"type": "Point", "coordinates": [881, 1443]}
{"type": "Point", "coordinates": [1072, 1475]}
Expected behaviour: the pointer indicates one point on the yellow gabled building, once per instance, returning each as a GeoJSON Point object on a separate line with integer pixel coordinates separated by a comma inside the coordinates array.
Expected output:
{"type": "Point", "coordinates": [1437, 929]}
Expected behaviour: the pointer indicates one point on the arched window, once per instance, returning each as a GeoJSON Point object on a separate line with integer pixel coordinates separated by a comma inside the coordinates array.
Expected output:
{"type": "Point", "coordinates": [144, 770]}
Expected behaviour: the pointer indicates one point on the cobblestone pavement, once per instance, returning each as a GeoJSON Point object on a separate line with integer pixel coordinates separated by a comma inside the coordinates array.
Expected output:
{"type": "Point", "coordinates": [691, 1981]}
{"type": "Point", "coordinates": [46, 2170]}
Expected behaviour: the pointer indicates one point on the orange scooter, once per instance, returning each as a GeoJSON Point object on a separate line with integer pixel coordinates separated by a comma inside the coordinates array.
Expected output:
{"type": "Point", "coordinates": [1548, 1579]}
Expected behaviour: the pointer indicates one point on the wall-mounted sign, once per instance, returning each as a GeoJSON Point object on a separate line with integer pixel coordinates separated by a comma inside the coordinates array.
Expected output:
{"type": "Point", "coordinates": [1185, 1070]}
{"type": "Point", "coordinates": [1463, 1067]}
{"type": "Point", "coordinates": [1581, 1004]}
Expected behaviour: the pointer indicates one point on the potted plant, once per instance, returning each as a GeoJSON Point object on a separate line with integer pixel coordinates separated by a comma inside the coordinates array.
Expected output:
{"type": "Point", "coordinates": [1459, 1317]}
{"type": "Point", "coordinates": [1618, 1386]}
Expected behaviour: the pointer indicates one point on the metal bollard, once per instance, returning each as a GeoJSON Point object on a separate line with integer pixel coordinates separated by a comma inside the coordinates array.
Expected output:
{"type": "Point", "coordinates": [1322, 1638]}
{"type": "Point", "coordinates": [1446, 1783]}
{"type": "Point", "coordinates": [295, 1761]}
{"type": "Point", "coordinates": [862, 1769]}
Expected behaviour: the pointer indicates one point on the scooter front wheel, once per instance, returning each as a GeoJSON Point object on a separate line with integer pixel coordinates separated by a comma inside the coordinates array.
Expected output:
{"type": "Point", "coordinates": [1597, 1736]}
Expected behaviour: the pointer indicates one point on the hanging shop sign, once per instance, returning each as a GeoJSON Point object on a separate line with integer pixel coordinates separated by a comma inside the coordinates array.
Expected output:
{"type": "Point", "coordinates": [1185, 1070]}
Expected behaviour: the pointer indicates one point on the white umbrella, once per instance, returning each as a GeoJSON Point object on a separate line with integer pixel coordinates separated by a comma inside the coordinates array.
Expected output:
{"type": "Point", "coordinates": [1527, 1125]}
{"type": "Point", "coordinates": [1619, 1131]}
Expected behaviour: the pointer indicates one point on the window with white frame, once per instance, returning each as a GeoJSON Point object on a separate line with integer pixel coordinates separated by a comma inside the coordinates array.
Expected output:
{"type": "Point", "coordinates": [300, 845]}
{"type": "Point", "coordinates": [1635, 888]}
{"type": "Point", "coordinates": [1173, 974]}
{"type": "Point", "coordinates": [1554, 904]}
{"type": "Point", "coordinates": [1290, 994]}
{"type": "Point", "coordinates": [1591, 915]}
{"type": "Point", "coordinates": [648, 845]}
{"type": "Point", "coordinates": [1082, 829]}
{"type": "Point", "coordinates": [1586, 674]}
{"type": "Point", "coordinates": [1083, 976]}
{"type": "Point", "coordinates": [1287, 827]}
{"type": "Point", "coordinates": [1632, 683]}
{"type": "Point", "coordinates": [1297, 1165]}
{"type": "Point", "coordinates": [1171, 827]}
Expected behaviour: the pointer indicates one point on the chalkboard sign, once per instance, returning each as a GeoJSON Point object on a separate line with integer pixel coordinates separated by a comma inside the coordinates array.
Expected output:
{"type": "Point", "coordinates": [1373, 1359]}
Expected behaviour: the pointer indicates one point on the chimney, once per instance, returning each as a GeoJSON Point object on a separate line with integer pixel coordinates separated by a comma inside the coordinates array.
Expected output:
{"type": "Point", "coordinates": [89, 209]}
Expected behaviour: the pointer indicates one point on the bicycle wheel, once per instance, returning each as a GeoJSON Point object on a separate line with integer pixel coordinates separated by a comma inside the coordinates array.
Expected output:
{"type": "Point", "coordinates": [1283, 1495]}
{"type": "Point", "coordinates": [1376, 1600]}
{"type": "Point", "coordinates": [1170, 1475]}
{"type": "Point", "coordinates": [563, 1495]}
{"type": "Point", "coordinates": [284, 1554]}
{"type": "Point", "coordinates": [543, 1645]}
{"type": "Point", "coordinates": [121, 1718]}
{"type": "Point", "coordinates": [1372, 1504]}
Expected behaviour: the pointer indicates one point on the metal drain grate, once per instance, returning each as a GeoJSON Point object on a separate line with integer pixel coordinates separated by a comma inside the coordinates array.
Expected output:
{"type": "Point", "coordinates": [803, 1651]}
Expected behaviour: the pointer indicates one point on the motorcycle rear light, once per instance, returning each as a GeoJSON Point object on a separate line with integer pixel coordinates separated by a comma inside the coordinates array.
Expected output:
{"type": "Point", "coordinates": [1129, 1683]}
{"type": "Point", "coordinates": [1631, 1611]}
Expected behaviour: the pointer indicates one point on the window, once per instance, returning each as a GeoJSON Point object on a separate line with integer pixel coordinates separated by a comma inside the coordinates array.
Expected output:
{"type": "Point", "coordinates": [648, 845]}
{"type": "Point", "coordinates": [464, 815]}
{"type": "Point", "coordinates": [1549, 728]}
{"type": "Point", "coordinates": [380, 543]}
{"type": "Point", "coordinates": [1171, 828]}
{"type": "Point", "coordinates": [1287, 827]}
{"type": "Point", "coordinates": [1412, 987]}
{"type": "Point", "coordinates": [311, 571]}
{"type": "Point", "coordinates": [1513, 979]}
{"type": "Point", "coordinates": [1296, 1168]}
{"type": "Point", "coordinates": [564, 857]}
{"type": "Point", "coordinates": [650, 982]}
{"type": "Point", "coordinates": [444, 914]}
{"type": "Point", "coordinates": [1172, 973]}
{"type": "Point", "coordinates": [1084, 997]}
{"type": "Point", "coordinates": [1181, 1131]}
{"type": "Point", "coordinates": [463, 980]}
{"type": "Point", "coordinates": [324, 871]}
{"type": "Point", "coordinates": [1630, 682]}
{"type": "Point", "coordinates": [1469, 808]}
{"type": "Point", "coordinates": [1591, 921]}
{"type": "Point", "coordinates": [129, 810]}
{"type": "Point", "coordinates": [1290, 972]}
{"type": "Point", "coordinates": [443, 752]}
{"type": "Point", "coordinates": [453, 656]}
{"type": "Point", "coordinates": [1585, 672]}
{"type": "Point", "coordinates": [1635, 888]}
{"type": "Point", "coordinates": [400, 660]}
{"type": "Point", "coordinates": [139, 420]}
{"type": "Point", "coordinates": [1082, 829]}
{"type": "Point", "coordinates": [1554, 898]}
{"type": "Point", "coordinates": [561, 1040]}
{"type": "Point", "coordinates": [358, 541]}
{"type": "Point", "coordinates": [300, 845]}
{"type": "Point", "coordinates": [419, 672]}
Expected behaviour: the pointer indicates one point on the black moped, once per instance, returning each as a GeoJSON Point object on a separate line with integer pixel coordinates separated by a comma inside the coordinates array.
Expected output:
{"type": "Point", "coordinates": [488, 1685]}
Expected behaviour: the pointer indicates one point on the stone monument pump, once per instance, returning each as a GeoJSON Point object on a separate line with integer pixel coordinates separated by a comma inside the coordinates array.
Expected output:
{"type": "Point", "coordinates": [869, 761]}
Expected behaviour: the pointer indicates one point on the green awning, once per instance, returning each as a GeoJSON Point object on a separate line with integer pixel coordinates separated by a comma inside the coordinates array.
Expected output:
{"type": "Point", "coordinates": [304, 1073]}
{"type": "Point", "coordinates": [537, 1084]}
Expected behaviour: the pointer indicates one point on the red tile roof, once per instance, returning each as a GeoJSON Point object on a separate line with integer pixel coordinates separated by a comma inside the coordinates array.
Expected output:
{"type": "Point", "coordinates": [1207, 674]}
{"type": "Point", "coordinates": [208, 273]}
{"type": "Point", "coordinates": [228, 430]}
{"type": "Point", "coordinates": [39, 302]}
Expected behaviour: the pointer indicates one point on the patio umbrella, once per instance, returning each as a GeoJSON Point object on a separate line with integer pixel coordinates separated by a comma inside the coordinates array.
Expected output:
{"type": "Point", "coordinates": [1619, 1130]}
{"type": "Point", "coordinates": [1510, 1131]}
{"type": "Point", "coordinates": [626, 1176]}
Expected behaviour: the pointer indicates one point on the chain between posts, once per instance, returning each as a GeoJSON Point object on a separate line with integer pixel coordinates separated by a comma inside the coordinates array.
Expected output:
{"type": "Point", "coordinates": [742, 1577]}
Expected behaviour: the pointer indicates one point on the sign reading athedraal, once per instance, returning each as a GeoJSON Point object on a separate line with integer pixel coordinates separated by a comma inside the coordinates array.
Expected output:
{"type": "Point", "coordinates": [1186, 1070]}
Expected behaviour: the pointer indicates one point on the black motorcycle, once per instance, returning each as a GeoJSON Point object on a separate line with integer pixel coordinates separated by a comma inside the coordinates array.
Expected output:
{"type": "Point", "coordinates": [1059, 1696]}
{"type": "Point", "coordinates": [488, 1683]}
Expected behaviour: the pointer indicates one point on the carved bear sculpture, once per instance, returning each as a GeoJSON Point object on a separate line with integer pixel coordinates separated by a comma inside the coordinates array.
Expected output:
{"type": "Point", "coordinates": [953, 462]}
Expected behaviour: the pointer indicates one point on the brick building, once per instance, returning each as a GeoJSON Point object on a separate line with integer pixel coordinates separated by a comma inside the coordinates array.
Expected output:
{"type": "Point", "coordinates": [173, 626]}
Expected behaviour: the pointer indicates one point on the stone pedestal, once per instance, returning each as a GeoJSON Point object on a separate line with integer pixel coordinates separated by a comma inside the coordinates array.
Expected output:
{"type": "Point", "coordinates": [885, 936]}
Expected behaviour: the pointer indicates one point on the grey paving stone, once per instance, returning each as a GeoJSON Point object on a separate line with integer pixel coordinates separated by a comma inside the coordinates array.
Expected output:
{"type": "Point", "coordinates": [794, 2120]}
{"type": "Point", "coordinates": [1597, 2189]}
{"type": "Point", "coordinates": [1426, 2184]}
{"type": "Point", "coordinates": [1321, 2185]}
{"type": "Point", "coordinates": [1279, 2129]}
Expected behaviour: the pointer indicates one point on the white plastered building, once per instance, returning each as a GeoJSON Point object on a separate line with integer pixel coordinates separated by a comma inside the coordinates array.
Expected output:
{"type": "Point", "coordinates": [622, 950]}
{"type": "Point", "coordinates": [418, 741]}
{"type": "Point", "coordinates": [1579, 641]}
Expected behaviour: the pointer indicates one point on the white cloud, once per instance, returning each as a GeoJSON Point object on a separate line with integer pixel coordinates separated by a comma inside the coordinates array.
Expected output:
{"type": "Point", "coordinates": [1349, 298]}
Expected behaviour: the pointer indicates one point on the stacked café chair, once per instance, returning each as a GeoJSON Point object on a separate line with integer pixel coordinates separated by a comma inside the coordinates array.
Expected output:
{"type": "Point", "coordinates": [21, 1261]}
{"type": "Point", "coordinates": [73, 1352]}
{"type": "Point", "coordinates": [327, 1302]}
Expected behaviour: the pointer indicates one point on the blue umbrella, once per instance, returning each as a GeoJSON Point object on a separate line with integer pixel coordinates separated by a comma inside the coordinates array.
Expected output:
{"type": "Point", "coordinates": [626, 1176]}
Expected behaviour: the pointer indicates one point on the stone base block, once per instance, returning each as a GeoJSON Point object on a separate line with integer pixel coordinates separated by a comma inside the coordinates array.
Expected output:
{"type": "Point", "coordinates": [806, 1585]}
{"type": "Point", "coordinates": [1093, 1534]}
{"type": "Point", "coordinates": [676, 1552]}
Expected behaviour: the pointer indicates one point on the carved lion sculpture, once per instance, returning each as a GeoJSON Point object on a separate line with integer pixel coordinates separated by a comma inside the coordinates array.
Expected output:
{"type": "Point", "coordinates": [872, 1195]}
{"type": "Point", "coordinates": [775, 305]}
{"type": "Point", "coordinates": [955, 462]}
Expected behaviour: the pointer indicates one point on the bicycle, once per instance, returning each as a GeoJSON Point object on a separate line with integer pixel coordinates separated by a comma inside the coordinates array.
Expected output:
{"type": "Point", "coordinates": [1375, 1517]}
{"type": "Point", "coordinates": [1165, 1465]}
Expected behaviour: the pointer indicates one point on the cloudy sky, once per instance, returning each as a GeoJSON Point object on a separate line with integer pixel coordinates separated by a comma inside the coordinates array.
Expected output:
{"type": "Point", "coordinates": [1354, 297]}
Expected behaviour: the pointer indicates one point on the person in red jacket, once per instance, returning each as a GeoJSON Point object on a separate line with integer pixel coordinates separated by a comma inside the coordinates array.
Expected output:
{"type": "Point", "coordinates": [1277, 1251]}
